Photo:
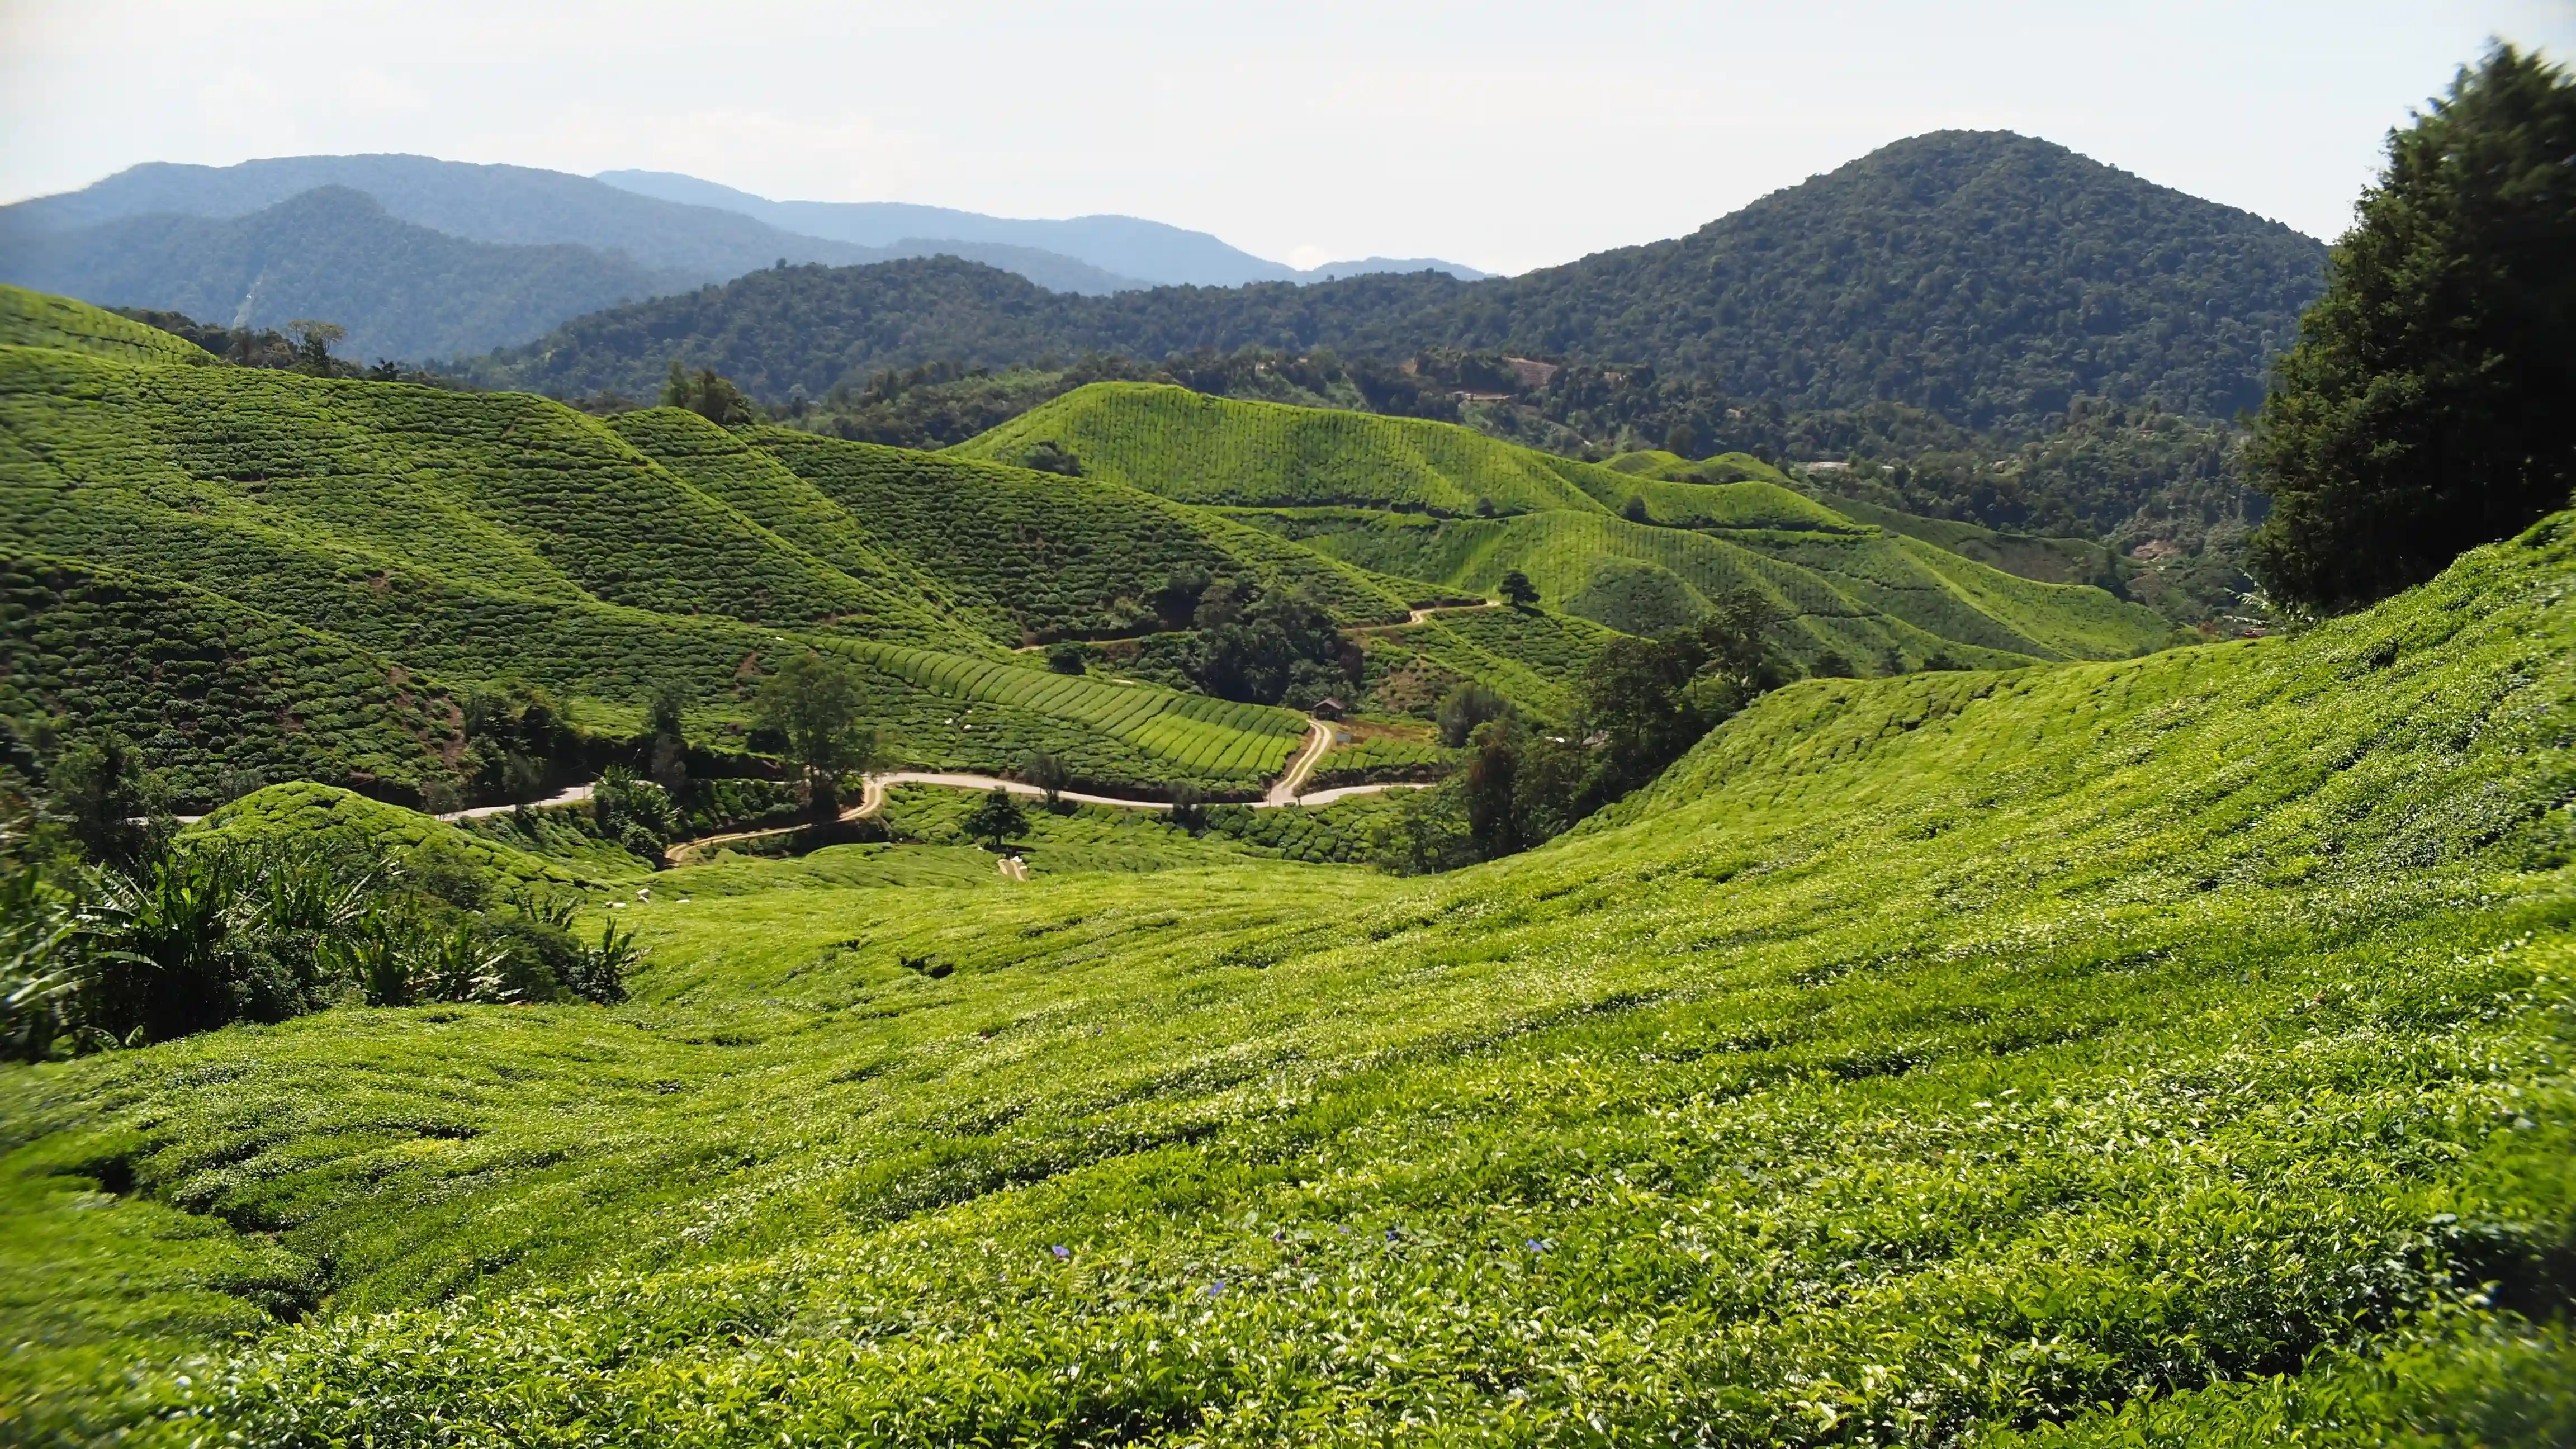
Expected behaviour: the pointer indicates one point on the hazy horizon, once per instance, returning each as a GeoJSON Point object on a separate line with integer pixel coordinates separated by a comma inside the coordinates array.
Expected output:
{"type": "Point", "coordinates": [1501, 137]}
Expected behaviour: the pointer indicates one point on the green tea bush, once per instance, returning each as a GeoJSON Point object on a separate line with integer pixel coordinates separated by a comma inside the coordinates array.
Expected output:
{"type": "Point", "coordinates": [1340, 833]}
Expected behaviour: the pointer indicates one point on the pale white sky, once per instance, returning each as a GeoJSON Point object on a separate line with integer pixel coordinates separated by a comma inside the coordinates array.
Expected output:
{"type": "Point", "coordinates": [1497, 133]}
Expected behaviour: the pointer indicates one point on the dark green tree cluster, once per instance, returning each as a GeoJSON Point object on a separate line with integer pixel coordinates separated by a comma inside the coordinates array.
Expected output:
{"type": "Point", "coordinates": [935, 404]}
{"type": "Point", "coordinates": [1050, 456]}
{"type": "Point", "coordinates": [1641, 704]}
{"type": "Point", "coordinates": [1247, 643]}
{"type": "Point", "coordinates": [995, 819]}
{"type": "Point", "coordinates": [1049, 772]}
{"type": "Point", "coordinates": [518, 747]}
{"type": "Point", "coordinates": [811, 708]}
{"type": "Point", "coordinates": [200, 932]}
{"type": "Point", "coordinates": [2430, 404]}
{"type": "Point", "coordinates": [269, 348]}
{"type": "Point", "coordinates": [637, 813]}
{"type": "Point", "coordinates": [709, 395]}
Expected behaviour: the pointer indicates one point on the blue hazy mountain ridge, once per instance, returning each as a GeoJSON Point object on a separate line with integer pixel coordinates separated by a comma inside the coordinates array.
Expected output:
{"type": "Point", "coordinates": [510, 204]}
{"type": "Point", "coordinates": [516, 205]}
{"type": "Point", "coordinates": [1159, 254]}
{"type": "Point", "coordinates": [401, 290]}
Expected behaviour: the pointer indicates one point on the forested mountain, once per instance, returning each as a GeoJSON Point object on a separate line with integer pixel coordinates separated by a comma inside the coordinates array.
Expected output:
{"type": "Point", "coordinates": [1985, 277]}
{"type": "Point", "coordinates": [148, 234]}
{"type": "Point", "coordinates": [514, 204]}
{"type": "Point", "coordinates": [1153, 252]}
{"type": "Point", "coordinates": [401, 290]}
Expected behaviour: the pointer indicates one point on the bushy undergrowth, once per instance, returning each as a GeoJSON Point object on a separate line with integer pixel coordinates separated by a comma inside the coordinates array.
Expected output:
{"type": "Point", "coordinates": [2085, 1054]}
{"type": "Point", "coordinates": [203, 930]}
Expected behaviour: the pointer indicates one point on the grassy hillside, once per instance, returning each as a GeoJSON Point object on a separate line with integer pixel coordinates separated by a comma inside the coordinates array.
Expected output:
{"type": "Point", "coordinates": [36, 319]}
{"type": "Point", "coordinates": [1866, 595]}
{"type": "Point", "coordinates": [2149, 1051]}
{"type": "Point", "coordinates": [500, 492]}
{"type": "Point", "coordinates": [328, 530]}
{"type": "Point", "coordinates": [1209, 450]}
{"type": "Point", "coordinates": [2050, 560]}
{"type": "Point", "coordinates": [1528, 656]}
{"type": "Point", "coordinates": [1445, 505]}
{"type": "Point", "coordinates": [334, 532]}
{"type": "Point", "coordinates": [1061, 557]}
{"type": "Point", "coordinates": [1230, 452]}
{"type": "Point", "coordinates": [306, 811]}
{"type": "Point", "coordinates": [213, 686]}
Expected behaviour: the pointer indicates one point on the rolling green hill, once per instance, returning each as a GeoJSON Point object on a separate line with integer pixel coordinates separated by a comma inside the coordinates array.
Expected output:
{"type": "Point", "coordinates": [2049, 560]}
{"type": "Point", "coordinates": [37, 319]}
{"type": "Point", "coordinates": [1208, 450]}
{"type": "Point", "coordinates": [1405, 497]}
{"type": "Point", "coordinates": [1866, 595]}
{"type": "Point", "coordinates": [349, 556]}
{"type": "Point", "coordinates": [220, 685]}
{"type": "Point", "coordinates": [2169, 1050]}
{"type": "Point", "coordinates": [323, 533]}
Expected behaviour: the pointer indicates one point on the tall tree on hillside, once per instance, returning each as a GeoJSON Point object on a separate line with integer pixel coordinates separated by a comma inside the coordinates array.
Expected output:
{"type": "Point", "coordinates": [313, 341]}
{"type": "Point", "coordinates": [812, 703]}
{"type": "Point", "coordinates": [996, 818]}
{"type": "Point", "coordinates": [2427, 406]}
{"type": "Point", "coordinates": [665, 727]}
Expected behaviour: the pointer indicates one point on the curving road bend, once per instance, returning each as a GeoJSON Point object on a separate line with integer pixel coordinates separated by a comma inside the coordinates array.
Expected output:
{"type": "Point", "coordinates": [872, 788]}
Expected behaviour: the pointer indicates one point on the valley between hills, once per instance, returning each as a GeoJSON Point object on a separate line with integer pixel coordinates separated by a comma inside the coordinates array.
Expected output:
{"type": "Point", "coordinates": [868, 852]}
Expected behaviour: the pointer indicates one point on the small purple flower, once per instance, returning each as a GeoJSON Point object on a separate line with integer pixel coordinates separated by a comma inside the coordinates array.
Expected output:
{"type": "Point", "coordinates": [1537, 1246]}
{"type": "Point", "coordinates": [1216, 1288]}
{"type": "Point", "coordinates": [1279, 1235]}
{"type": "Point", "coordinates": [1393, 1236]}
{"type": "Point", "coordinates": [1062, 1253]}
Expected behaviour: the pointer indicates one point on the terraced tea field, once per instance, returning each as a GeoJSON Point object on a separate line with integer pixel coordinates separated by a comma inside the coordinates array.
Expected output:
{"type": "Point", "coordinates": [316, 571]}
{"type": "Point", "coordinates": [1453, 510]}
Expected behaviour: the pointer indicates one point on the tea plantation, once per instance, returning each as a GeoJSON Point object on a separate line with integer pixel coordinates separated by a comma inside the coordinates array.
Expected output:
{"type": "Point", "coordinates": [1453, 510]}
{"type": "Point", "coordinates": [252, 570]}
{"type": "Point", "coordinates": [1867, 595]}
{"type": "Point", "coordinates": [38, 319]}
{"type": "Point", "coordinates": [356, 559]}
{"type": "Point", "coordinates": [2168, 1050]}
